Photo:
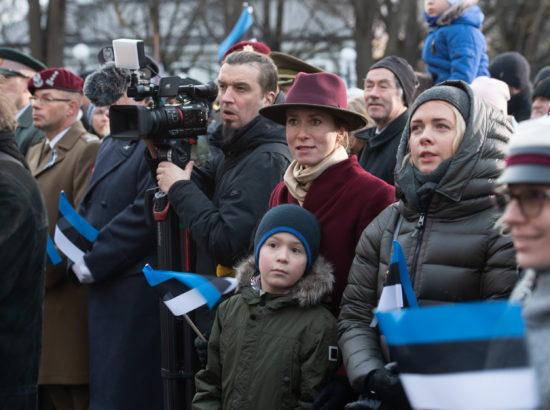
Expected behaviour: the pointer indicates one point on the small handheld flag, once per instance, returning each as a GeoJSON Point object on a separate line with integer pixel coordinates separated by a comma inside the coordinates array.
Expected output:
{"type": "Point", "coordinates": [53, 256]}
{"type": "Point", "coordinates": [73, 234]}
{"type": "Point", "coordinates": [183, 292]}
{"type": "Point", "coordinates": [243, 24]}
{"type": "Point", "coordinates": [396, 284]}
{"type": "Point", "coordinates": [462, 356]}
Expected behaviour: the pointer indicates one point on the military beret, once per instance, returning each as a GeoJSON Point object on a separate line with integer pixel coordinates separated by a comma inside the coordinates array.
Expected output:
{"type": "Point", "coordinates": [256, 46]}
{"type": "Point", "coordinates": [15, 63]}
{"type": "Point", "coordinates": [55, 78]}
{"type": "Point", "coordinates": [289, 66]}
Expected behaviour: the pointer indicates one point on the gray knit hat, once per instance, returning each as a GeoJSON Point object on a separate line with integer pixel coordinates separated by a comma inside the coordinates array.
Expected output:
{"type": "Point", "coordinates": [292, 219]}
{"type": "Point", "coordinates": [447, 92]}
{"type": "Point", "coordinates": [403, 72]}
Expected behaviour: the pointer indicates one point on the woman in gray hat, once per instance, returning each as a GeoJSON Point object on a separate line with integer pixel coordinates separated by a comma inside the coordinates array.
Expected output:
{"type": "Point", "coordinates": [450, 152]}
{"type": "Point", "coordinates": [524, 197]}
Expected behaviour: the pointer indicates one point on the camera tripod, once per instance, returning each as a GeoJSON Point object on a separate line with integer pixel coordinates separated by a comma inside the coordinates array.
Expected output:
{"type": "Point", "coordinates": [178, 357]}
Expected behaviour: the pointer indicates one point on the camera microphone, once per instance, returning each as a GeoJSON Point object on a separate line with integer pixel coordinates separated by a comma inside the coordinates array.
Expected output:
{"type": "Point", "coordinates": [107, 84]}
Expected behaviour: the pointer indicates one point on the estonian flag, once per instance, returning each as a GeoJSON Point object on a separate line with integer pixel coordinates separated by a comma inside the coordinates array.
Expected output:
{"type": "Point", "coordinates": [463, 356]}
{"type": "Point", "coordinates": [183, 292]}
{"type": "Point", "coordinates": [53, 256]}
{"type": "Point", "coordinates": [243, 24]}
{"type": "Point", "coordinates": [396, 284]}
{"type": "Point", "coordinates": [73, 235]}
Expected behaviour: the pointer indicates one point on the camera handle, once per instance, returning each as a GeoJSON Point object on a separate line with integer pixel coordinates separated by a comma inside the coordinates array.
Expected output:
{"type": "Point", "coordinates": [178, 357]}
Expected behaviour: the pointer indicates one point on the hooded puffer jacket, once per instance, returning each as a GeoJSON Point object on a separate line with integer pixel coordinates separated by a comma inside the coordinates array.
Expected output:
{"type": "Point", "coordinates": [455, 48]}
{"type": "Point", "coordinates": [454, 251]}
{"type": "Point", "coordinates": [270, 351]}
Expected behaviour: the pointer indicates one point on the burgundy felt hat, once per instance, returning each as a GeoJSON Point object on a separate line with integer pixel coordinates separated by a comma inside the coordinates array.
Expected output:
{"type": "Point", "coordinates": [56, 78]}
{"type": "Point", "coordinates": [323, 91]}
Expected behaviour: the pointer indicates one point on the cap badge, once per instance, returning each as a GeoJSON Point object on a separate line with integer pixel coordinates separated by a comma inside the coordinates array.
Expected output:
{"type": "Point", "coordinates": [248, 47]}
{"type": "Point", "coordinates": [37, 81]}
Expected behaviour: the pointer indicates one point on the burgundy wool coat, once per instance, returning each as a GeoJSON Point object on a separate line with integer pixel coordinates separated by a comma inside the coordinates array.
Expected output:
{"type": "Point", "coordinates": [345, 198]}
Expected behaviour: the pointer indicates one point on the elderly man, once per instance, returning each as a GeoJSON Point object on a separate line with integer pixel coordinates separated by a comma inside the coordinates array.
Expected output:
{"type": "Point", "coordinates": [63, 162]}
{"type": "Point", "coordinates": [224, 200]}
{"type": "Point", "coordinates": [17, 68]}
{"type": "Point", "coordinates": [389, 87]}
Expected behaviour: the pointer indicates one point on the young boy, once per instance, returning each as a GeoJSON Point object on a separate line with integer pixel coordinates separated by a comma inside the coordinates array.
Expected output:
{"type": "Point", "coordinates": [455, 48]}
{"type": "Point", "coordinates": [273, 345]}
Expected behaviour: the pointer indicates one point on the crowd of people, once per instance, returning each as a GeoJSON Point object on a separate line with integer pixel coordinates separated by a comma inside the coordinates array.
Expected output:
{"type": "Point", "coordinates": [304, 189]}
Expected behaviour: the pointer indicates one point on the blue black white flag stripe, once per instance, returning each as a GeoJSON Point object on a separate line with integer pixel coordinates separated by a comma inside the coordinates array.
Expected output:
{"type": "Point", "coordinates": [183, 292]}
{"type": "Point", "coordinates": [397, 291]}
{"type": "Point", "coordinates": [463, 356]}
{"type": "Point", "coordinates": [73, 235]}
{"type": "Point", "coordinates": [243, 24]}
{"type": "Point", "coordinates": [53, 256]}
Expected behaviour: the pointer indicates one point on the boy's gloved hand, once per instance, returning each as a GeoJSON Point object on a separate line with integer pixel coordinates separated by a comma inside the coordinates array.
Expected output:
{"type": "Point", "coordinates": [201, 348]}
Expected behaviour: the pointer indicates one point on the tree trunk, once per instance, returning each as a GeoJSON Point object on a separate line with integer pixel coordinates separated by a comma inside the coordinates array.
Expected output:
{"type": "Point", "coordinates": [36, 34]}
{"type": "Point", "coordinates": [55, 33]}
{"type": "Point", "coordinates": [365, 13]}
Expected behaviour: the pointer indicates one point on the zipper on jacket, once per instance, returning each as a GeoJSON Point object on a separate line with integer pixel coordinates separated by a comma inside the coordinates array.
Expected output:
{"type": "Point", "coordinates": [419, 231]}
{"type": "Point", "coordinates": [262, 302]}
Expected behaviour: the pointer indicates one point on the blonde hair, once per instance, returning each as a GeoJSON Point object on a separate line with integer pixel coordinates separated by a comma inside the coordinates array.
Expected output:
{"type": "Point", "coordinates": [460, 130]}
{"type": "Point", "coordinates": [8, 110]}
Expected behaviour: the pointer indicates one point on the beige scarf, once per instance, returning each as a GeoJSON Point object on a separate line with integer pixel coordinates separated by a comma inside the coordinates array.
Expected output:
{"type": "Point", "coordinates": [298, 178]}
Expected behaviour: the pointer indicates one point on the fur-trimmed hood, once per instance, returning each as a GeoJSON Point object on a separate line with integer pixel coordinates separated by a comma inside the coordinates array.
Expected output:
{"type": "Point", "coordinates": [473, 16]}
{"type": "Point", "coordinates": [308, 291]}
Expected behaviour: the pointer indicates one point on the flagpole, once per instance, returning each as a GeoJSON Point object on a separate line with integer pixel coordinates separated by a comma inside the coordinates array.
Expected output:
{"type": "Point", "coordinates": [194, 327]}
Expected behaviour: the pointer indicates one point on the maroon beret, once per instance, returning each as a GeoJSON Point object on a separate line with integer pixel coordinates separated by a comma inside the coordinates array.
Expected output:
{"type": "Point", "coordinates": [256, 46]}
{"type": "Point", "coordinates": [56, 78]}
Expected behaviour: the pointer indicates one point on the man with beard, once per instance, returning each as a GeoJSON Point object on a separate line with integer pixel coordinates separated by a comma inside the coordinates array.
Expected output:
{"type": "Point", "coordinates": [389, 87]}
{"type": "Point", "coordinates": [221, 203]}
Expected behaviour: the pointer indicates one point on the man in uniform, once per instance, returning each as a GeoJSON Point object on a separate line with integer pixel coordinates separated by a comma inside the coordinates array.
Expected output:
{"type": "Point", "coordinates": [63, 162]}
{"type": "Point", "coordinates": [17, 68]}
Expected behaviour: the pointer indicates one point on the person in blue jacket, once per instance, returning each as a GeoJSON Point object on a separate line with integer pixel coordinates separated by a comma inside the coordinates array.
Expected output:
{"type": "Point", "coordinates": [455, 48]}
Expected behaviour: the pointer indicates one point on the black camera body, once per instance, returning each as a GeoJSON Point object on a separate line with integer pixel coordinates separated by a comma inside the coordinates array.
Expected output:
{"type": "Point", "coordinates": [188, 118]}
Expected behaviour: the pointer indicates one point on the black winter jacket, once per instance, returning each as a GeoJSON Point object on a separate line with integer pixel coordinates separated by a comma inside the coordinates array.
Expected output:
{"type": "Point", "coordinates": [224, 201]}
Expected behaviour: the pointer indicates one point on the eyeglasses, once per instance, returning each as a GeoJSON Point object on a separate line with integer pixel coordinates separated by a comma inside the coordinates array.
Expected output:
{"type": "Point", "coordinates": [530, 201]}
{"type": "Point", "coordinates": [48, 99]}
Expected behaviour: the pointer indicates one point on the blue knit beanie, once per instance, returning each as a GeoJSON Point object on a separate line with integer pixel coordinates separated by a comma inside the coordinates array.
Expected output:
{"type": "Point", "coordinates": [292, 219]}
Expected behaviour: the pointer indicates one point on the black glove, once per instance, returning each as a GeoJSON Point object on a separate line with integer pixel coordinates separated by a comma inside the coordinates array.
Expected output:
{"type": "Point", "coordinates": [384, 385]}
{"type": "Point", "coordinates": [335, 395]}
{"type": "Point", "coordinates": [201, 347]}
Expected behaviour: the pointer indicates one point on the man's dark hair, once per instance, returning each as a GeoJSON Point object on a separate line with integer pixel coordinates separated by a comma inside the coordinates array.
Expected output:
{"type": "Point", "coordinates": [267, 78]}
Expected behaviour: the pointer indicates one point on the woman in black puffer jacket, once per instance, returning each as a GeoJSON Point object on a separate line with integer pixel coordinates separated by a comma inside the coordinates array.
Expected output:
{"type": "Point", "coordinates": [446, 224]}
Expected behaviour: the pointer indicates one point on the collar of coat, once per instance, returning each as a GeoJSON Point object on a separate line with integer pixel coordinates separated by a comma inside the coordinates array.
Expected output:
{"type": "Point", "coordinates": [308, 291]}
{"type": "Point", "coordinates": [455, 11]}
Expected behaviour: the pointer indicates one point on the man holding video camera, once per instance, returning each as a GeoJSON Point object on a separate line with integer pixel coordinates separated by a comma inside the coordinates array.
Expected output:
{"type": "Point", "coordinates": [221, 203]}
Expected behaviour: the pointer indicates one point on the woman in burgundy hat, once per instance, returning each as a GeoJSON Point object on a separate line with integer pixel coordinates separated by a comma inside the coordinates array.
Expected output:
{"type": "Point", "coordinates": [322, 178]}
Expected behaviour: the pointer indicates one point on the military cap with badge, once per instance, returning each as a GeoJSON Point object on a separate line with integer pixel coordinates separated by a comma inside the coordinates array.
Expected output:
{"type": "Point", "coordinates": [15, 63]}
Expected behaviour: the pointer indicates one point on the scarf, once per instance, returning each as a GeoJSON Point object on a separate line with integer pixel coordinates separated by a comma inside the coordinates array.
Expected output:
{"type": "Point", "coordinates": [299, 178]}
{"type": "Point", "coordinates": [419, 187]}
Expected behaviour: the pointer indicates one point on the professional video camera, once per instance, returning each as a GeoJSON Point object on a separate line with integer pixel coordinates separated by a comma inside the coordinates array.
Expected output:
{"type": "Point", "coordinates": [173, 128]}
